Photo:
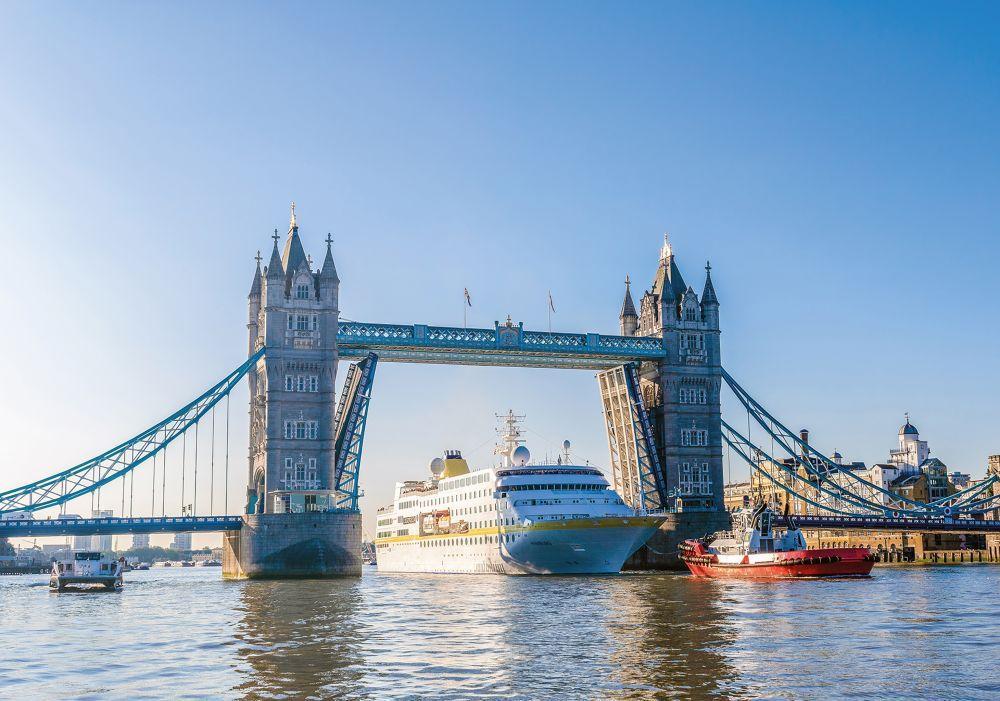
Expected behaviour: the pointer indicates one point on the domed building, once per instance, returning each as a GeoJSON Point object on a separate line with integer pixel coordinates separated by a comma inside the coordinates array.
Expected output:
{"type": "Point", "coordinates": [912, 451]}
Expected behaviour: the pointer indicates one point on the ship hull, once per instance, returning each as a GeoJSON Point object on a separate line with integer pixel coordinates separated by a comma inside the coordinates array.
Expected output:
{"type": "Point", "coordinates": [827, 562]}
{"type": "Point", "coordinates": [109, 583]}
{"type": "Point", "coordinates": [589, 546]}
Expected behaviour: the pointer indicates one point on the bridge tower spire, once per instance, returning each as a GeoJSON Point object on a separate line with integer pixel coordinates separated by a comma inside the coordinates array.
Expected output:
{"type": "Point", "coordinates": [628, 318]}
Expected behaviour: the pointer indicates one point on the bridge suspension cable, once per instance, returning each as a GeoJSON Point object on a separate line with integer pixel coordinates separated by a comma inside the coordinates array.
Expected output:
{"type": "Point", "coordinates": [91, 475]}
{"type": "Point", "coordinates": [812, 477]}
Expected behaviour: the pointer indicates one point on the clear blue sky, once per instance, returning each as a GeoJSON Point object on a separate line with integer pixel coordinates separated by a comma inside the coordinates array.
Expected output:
{"type": "Point", "coordinates": [837, 162]}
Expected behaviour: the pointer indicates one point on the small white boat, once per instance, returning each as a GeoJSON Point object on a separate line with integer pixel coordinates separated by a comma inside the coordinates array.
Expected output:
{"type": "Point", "coordinates": [87, 569]}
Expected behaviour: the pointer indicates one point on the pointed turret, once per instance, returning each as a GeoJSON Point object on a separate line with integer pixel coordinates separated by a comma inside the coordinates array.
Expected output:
{"type": "Point", "coordinates": [329, 271]}
{"type": "Point", "coordinates": [255, 286]}
{"type": "Point", "coordinates": [294, 256]}
{"type": "Point", "coordinates": [628, 306]}
{"type": "Point", "coordinates": [708, 296]}
{"type": "Point", "coordinates": [669, 283]}
{"type": "Point", "coordinates": [709, 300]}
{"type": "Point", "coordinates": [253, 308]}
{"type": "Point", "coordinates": [628, 318]}
{"type": "Point", "coordinates": [275, 270]}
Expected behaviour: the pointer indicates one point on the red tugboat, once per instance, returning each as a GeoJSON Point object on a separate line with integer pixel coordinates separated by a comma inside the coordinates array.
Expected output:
{"type": "Point", "coordinates": [754, 549]}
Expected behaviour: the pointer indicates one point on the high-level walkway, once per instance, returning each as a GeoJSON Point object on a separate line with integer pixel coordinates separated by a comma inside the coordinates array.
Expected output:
{"type": "Point", "coordinates": [506, 344]}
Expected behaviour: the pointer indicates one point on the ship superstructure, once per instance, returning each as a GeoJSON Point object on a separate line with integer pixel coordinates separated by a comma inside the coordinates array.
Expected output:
{"type": "Point", "coordinates": [512, 518]}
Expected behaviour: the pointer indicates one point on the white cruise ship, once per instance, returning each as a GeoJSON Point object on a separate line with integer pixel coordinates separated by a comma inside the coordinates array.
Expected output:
{"type": "Point", "coordinates": [518, 518]}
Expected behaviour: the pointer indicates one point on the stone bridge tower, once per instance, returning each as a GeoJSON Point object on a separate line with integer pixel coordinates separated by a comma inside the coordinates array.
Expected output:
{"type": "Point", "coordinates": [290, 527]}
{"type": "Point", "coordinates": [293, 312]}
{"type": "Point", "coordinates": [683, 395]}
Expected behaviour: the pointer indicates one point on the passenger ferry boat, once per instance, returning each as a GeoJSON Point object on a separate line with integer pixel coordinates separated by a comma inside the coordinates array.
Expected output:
{"type": "Point", "coordinates": [755, 549]}
{"type": "Point", "coordinates": [518, 518]}
{"type": "Point", "coordinates": [87, 569]}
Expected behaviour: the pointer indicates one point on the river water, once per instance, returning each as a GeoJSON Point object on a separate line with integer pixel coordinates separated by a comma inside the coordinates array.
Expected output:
{"type": "Point", "coordinates": [907, 632]}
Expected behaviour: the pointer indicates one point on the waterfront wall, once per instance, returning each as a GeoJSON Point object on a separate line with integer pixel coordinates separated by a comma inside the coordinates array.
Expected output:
{"type": "Point", "coordinates": [960, 556]}
{"type": "Point", "coordinates": [276, 546]}
{"type": "Point", "coordinates": [660, 551]}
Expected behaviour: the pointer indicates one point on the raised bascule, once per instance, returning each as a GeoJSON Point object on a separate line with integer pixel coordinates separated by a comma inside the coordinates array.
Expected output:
{"type": "Point", "coordinates": [660, 380]}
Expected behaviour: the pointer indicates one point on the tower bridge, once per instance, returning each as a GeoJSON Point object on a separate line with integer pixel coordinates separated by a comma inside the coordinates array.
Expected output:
{"type": "Point", "coordinates": [660, 381]}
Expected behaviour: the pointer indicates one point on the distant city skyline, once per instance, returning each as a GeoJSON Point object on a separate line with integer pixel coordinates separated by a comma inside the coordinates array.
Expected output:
{"type": "Point", "coordinates": [845, 199]}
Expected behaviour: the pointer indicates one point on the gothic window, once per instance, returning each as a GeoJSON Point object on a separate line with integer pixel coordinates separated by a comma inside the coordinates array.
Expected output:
{"type": "Point", "coordinates": [302, 292]}
{"type": "Point", "coordinates": [301, 430]}
{"type": "Point", "coordinates": [693, 395]}
{"type": "Point", "coordinates": [694, 479]}
{"type": "Point", "coordinates": [300, 472]}
{"type": "Point", "coordinates": [692, 342]}
{"type": "Point", "coordinates": [689, 314]}
{"type": "Point", "coordinates": [694, 437]}
{"type": "Point", "coordinates": [301, 383]}
{"type": "Point", "coordinates": [302, 322]}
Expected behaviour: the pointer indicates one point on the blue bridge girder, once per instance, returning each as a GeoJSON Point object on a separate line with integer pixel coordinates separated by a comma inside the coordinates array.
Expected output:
{"type": "Point", "coordinates": [37, 528]}
{"type": "Point", "coordinates": [504, 345]}
{"type": "Point", "coordinates": [877, 523]}
{"type": "Point", "coordinates": [349, 435]}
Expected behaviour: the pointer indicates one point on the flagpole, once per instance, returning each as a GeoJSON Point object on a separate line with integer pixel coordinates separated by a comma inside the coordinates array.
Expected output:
{"type": "Point", "coordinates": [550, 308]}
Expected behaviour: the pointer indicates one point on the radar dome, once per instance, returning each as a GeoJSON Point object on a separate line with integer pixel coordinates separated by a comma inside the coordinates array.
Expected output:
{"type": "Point", "coordinates": [566, 446]}
{"type": "Point", "coordinates": [520, 456]}
{"type": "Point", "coordinates": [437, 467]}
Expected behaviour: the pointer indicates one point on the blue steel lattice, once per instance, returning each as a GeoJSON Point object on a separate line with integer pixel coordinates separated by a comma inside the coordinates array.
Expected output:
{"type": "Point", "coordinates": [558, 340]}
{"type": "Point", "coordinates": [117, 462]}
{"type": "Point", "coordinates": [654, 483]}
{"type": "Point", "coordinates": [478, 337]}
{"type": "Point", "coordinates": [349, 434]}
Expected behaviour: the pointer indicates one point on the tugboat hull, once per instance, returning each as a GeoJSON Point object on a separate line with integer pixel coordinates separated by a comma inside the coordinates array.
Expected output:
{"type": "Point", "coordinates": [827, 562]}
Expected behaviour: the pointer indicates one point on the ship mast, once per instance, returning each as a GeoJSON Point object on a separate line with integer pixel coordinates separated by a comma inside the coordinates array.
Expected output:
{"type": "Point", "coordinates": [510, 436]}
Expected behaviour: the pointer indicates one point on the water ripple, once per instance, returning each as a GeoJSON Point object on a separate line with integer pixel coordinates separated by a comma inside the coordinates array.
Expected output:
{"type": "Point", "coordinates": [185, 634]}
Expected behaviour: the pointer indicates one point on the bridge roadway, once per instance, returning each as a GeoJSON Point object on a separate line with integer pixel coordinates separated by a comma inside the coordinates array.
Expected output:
{"type": "Point", "coordinates": [36, 528]}
{"type": "Point", "coordinates": [878, 523]}
{"type": "Point", "coordinates": [505, 344]}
